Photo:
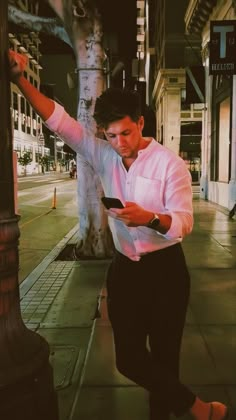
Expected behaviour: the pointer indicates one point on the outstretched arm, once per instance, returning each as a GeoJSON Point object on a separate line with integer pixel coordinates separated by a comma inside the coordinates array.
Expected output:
{"type": "Point", "coordinates": [42, 105]}
{"type": "Point", "coordinates": [53, 114]}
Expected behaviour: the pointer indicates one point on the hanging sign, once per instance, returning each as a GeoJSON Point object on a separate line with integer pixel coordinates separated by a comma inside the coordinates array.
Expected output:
{"type": "Point", "coordinates": [222, 47]}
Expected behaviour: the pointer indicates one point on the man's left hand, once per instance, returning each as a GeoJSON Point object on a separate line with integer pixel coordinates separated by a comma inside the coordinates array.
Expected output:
{"type": "Point", "coordinates": [132, 214]}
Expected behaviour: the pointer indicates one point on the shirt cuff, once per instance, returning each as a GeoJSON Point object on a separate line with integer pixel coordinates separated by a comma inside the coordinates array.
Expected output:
{"type": "Point", "coordinates": [176, 230]}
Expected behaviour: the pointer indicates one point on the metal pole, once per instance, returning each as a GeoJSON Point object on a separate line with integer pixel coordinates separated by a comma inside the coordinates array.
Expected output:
{"type": "Point", "coordinates": [26, 380]}
{"type": "Point", "coordinates": [54, 200]}
{"type": "Point", "coordinates": [55, 149]}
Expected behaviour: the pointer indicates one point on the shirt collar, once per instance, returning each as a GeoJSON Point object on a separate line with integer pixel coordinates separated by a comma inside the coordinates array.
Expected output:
{"type": "Point", "coordinates": [148, 148]}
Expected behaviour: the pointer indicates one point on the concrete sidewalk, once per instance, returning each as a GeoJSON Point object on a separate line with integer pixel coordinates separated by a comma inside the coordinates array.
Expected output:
{"type": "Point", "coordinates": [60, 299]}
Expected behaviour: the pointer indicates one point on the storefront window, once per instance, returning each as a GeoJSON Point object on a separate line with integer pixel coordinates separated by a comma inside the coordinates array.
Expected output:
{"type": "Point", "coordinates": [15, 110]}
{"type": "Point", "coordinates": [23, 115]}
{"type": "Point", "coordinates": [34, 115]}
{"type": "Point", "coordinates": [224, 140]}
{"type": "Point", "coordinates": [221, 128]}
{"type": "Point", "coordinates": [190, 147]}
{"type": "Point", "coordinates": [28, 118]}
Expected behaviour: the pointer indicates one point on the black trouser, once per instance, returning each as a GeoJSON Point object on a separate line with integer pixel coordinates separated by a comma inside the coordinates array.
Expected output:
{"type": "Point", "coordinates": [147, 300]}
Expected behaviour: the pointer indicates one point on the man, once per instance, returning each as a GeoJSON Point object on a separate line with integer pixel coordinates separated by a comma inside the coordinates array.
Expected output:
{"type": "Point", "coordinates": [148, 281]}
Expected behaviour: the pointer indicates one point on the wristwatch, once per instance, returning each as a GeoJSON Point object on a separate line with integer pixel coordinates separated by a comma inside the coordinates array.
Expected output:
{"type": "Point", "coordinates": [154, 222]}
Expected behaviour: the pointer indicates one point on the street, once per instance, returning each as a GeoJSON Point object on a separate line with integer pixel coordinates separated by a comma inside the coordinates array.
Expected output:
{"type": "Point", "coordinates": [41, 225]}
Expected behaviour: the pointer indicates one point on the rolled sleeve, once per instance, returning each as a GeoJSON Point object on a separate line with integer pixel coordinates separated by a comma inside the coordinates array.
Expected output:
{"type": "Point", "coordinates": [179, 202]}
{"type": "Point", "coordinates": [82, 140]}
{"type": "Point", "coordinates": [66, 127]}
{"type": "Point", "coordinates": [181, 225]}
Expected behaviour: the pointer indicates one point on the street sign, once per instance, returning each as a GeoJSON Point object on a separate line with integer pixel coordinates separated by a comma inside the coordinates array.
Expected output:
{"type": "Point", "coordinates": [222, 47]}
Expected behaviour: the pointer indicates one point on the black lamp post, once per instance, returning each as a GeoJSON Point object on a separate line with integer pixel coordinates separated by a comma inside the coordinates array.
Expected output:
{"type": "Point", "coordinates": [26, 380]}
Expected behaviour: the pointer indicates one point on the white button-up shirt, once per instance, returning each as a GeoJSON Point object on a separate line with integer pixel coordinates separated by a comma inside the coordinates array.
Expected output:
{"type": "Point", "coordinates": [157, 180]}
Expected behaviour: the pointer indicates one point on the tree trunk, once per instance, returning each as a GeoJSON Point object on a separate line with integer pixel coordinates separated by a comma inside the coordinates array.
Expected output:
{"type": "Point", "coordinates": [94, 237]}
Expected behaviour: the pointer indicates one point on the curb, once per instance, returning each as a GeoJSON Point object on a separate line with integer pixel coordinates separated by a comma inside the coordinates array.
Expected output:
{"type": "Point", "coordinates": [29, 281]}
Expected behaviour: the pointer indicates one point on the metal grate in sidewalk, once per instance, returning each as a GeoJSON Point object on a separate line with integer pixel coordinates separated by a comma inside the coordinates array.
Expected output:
{"type": "Point", "coordinates": [37, 301]}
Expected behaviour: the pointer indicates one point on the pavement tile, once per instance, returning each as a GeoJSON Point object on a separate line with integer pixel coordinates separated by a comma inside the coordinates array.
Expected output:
{"type": "Point", "coordinates": [68, 354]}
{"type": "Point", "coordinates": [116, 403]}
{"type": "Point", "coordinates": [77, 300]}
{"type": "Point", "coordinates": [221, 343]}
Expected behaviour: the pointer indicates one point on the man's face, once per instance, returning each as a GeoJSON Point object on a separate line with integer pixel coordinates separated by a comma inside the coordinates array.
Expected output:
{"type": "Point", "coordinates": [125, 136]}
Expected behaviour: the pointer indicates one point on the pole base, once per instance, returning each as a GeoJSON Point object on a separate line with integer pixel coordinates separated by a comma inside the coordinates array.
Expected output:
{"type": "Point", "coordinates": [32, 398]}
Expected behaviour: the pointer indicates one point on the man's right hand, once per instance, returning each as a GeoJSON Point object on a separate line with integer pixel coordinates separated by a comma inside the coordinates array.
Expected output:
{"type": "Point", "coordinates": [42, 105]}
{"type": "Point", "coordinates": [17, 64]}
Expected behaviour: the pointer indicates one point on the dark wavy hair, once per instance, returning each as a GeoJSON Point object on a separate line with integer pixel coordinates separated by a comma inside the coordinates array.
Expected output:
{"type": "Point", "coordinates": [115, 104]}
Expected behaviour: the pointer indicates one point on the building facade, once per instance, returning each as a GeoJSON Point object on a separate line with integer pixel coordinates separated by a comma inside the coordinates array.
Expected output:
{"type": "Point", "coordinates": [28, 134]}
{"type": "Point", "coordinates": [218, 178]}
{"type": "Point", "coordinates": [178, 123]}
{"type": "Point", "coordinates": [32, 142]}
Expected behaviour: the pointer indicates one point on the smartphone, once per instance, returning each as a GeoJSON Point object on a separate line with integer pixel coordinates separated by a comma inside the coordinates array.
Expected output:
{"type": "Point", "coordinates": [110, 202]}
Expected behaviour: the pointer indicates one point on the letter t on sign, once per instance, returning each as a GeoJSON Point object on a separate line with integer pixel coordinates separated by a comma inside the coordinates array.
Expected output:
{"type": "Point", "coordinates": [223, 30]}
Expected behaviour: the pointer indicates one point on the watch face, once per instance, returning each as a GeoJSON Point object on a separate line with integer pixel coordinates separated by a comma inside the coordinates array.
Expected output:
{"type": "Point", "coordinates": [155, 223]}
